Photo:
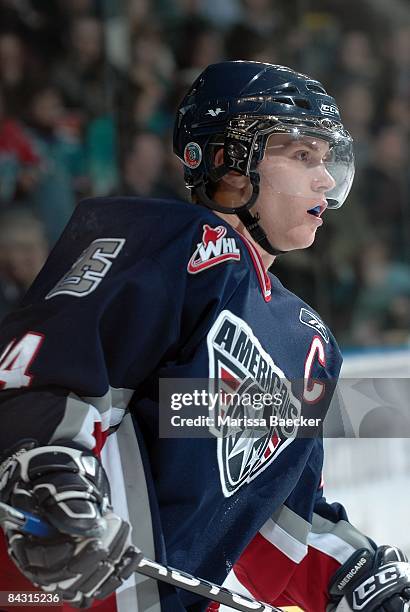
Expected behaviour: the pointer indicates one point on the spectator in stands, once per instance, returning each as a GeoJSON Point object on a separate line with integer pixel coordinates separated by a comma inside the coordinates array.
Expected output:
{"type": "Point", "coordinates": [41, 25]}
{"type": "Point", "coordinates": [243, 40]}
{"type": "Point", "coordinates": [143, 167]}
{"type": "Point", "coordinates": [196, 43]}
{"type": "Point", "coordinates": [86, 80]}
{"type": "Point", "coordinates": [358, 112]}
{"type": "Point", "coordinates": [223, 15]}
{"type": "Point", "coordinates": [396, 52]}
{"type": "Point", "coordinates": [77, 8]}
{"type": "Point", "coordinates": [384, 187]}
{"type": "Point", "coordinates": [61, 160]}
{"type": "Point", "coordinates": [383, 296]}
{"type": "Point", "coordinates": [151, 75]}
{"type": "Point", "coordinates": [23, 251]}
{"type": "Point", "coordinates": [19, 161]}
{"type": "Point", "coordinates": [261, 15]}
{"type": "Point", "coordinates": [14, 73]}
{"type": "Point", "coordinates": [357, 59]}
{"type": "Point", "coordinates": [151, 59]}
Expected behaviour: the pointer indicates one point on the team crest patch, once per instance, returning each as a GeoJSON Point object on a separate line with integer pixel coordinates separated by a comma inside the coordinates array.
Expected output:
{"type": "Point", "coordinates": [312, 320]}
{"type": "Point", "coordinates": [238, 364]}
{"type": "Point", "coordinates": [192, 155]}
{"type": "Point", "coordinates": [213, 249]}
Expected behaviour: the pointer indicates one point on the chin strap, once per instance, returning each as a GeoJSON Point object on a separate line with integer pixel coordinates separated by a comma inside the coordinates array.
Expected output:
{"type": "Point", "coordinates": [250, 222]}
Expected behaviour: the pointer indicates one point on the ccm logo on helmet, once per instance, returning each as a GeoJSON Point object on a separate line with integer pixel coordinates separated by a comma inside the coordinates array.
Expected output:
{"type": "Point", "coordinates": [329, 108]}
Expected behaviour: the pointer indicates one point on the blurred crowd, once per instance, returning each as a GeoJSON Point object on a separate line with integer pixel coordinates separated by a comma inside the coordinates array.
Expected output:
{"type": "Point", "coordinates": [88, 92]}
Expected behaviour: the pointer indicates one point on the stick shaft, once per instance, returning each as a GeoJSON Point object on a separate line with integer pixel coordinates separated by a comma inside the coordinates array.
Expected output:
{"type": "Point", "coordinates": [34, 525]}
{"type": "Point", "coordinates": [201, 587]}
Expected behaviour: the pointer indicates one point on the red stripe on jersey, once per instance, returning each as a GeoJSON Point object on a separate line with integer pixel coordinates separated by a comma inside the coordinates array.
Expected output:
{"type": "Point", "coordinates": [263, 569]}
{"type": "Point", "coordinates": [272, 577]}
{"type": "Point", "coordinates": [310, 582]}
{"type": "Point", "coordinates": [259, 266]}
{"type": "Point", "coordinates": [100, 437]}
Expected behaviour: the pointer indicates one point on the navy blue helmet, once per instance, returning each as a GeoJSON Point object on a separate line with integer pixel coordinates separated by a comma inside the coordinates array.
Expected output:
{"type": "Point", "coordinates": [238, 105]}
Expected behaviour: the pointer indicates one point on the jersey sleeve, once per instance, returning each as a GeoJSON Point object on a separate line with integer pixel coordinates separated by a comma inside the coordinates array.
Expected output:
{"type": "Point", "coordinates": [69, 365]}
{"type": "Point", "coordinates": [292, 558]}
{"type": "Point", "coordinates": [108, 308]}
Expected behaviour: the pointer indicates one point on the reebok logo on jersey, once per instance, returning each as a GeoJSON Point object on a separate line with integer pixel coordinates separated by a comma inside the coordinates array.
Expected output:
{"type": "Point", "coordinates": [214, 248]}
{"type": "Point", "coordinates": [312, 320]}
{"type": "Point", "coordinates": [238, 364]}
{"type": "Point", "coordinates": [216, 112]}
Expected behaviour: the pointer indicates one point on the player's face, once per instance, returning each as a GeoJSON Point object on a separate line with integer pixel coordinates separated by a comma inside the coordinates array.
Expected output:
{"type": "Point", "coordinates": [293, 181]}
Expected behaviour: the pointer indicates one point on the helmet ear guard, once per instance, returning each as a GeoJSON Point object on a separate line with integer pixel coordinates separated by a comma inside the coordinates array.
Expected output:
{"type": "Point", "coordinates": [238, 156]}
{"type": "Point", "coordinates": [240, 148]}
{"type": "Point", "coordinates": [241, 153]}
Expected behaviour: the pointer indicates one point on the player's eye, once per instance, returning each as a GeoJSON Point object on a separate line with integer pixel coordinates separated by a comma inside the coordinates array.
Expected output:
{"type": "Point", "coordinates": [303, 155]}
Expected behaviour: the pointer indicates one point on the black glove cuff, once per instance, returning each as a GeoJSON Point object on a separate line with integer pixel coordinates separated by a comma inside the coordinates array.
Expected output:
{"type": "Point", "coordinates": [368, 580]}
{"type": "Point", "coordinates": [351, 573]}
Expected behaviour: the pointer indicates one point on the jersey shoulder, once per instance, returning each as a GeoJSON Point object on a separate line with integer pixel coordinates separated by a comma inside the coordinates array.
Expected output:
{"type": "Point", "coordinates": [307, 315]}
{"type": "Point", "coordinates": [310, 321]}
{"type": "Point", "coordinates": [169, 230]}
{"type": "Point", "coordinates": [148, 223]}
{"type": "Point", "coordinates": [109, 241]}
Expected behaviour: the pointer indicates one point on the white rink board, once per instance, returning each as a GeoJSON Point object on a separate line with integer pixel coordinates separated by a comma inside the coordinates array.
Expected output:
{"type": "Point", "coordinates": [371, 477]}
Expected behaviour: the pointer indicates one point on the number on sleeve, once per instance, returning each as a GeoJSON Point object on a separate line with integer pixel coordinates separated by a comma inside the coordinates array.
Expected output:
{"type": "Point", "coordinates": [16, 359]}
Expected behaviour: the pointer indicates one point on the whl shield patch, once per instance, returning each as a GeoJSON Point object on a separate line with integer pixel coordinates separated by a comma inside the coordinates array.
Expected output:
{"type": "Point", "coordinates": [213, 249]}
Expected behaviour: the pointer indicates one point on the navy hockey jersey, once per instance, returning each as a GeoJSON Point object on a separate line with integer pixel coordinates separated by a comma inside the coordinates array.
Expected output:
{"type": "Point", "coordinates": [138, 292]}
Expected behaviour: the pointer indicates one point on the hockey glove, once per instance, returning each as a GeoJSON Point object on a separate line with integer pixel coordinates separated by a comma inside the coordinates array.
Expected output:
{"type": "Point", "coordinates": [372, 582]}
{"type": "Point", "coordinates": [69, 488]}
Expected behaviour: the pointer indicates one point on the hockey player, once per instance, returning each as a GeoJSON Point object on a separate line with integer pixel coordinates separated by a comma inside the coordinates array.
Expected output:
{"type": "Point", "coordinates": [137, 292]}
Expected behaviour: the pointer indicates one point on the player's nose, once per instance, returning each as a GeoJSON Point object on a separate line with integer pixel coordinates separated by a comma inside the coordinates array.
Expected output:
{"type": "Point", "coordinates": [323, 180]}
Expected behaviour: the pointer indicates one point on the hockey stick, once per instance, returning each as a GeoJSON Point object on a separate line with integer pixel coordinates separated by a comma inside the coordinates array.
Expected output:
{"type": "Point", "coordinates": [33, 525]}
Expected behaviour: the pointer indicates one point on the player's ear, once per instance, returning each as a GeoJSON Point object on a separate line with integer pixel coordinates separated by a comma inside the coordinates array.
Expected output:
{"type": "Point", "coordinates": [232, 178]}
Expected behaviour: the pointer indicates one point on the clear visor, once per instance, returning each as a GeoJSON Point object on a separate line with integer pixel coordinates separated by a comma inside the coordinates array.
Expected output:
{"type": "Point", "coordinates": [314, 164]}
